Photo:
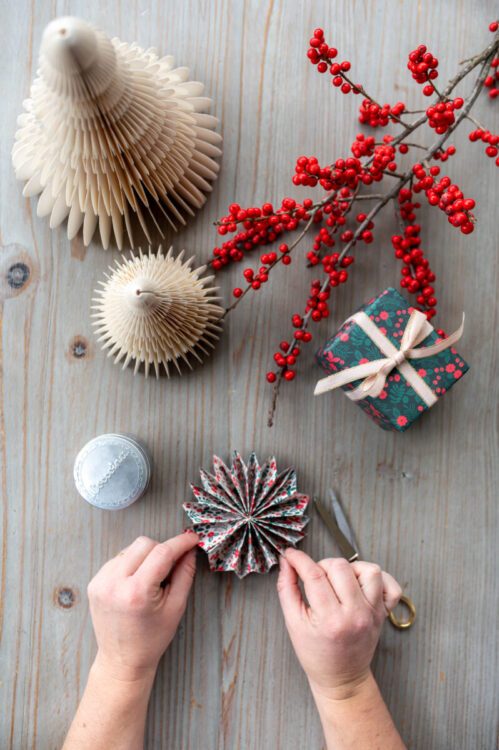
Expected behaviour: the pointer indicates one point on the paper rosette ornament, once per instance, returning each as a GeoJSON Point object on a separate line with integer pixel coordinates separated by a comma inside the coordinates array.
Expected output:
{"type": "Point", "coordinates": [110, 130]}
{"type": "Point", "coordinates": [157, 310]}
{"type": "Point", "coordinates": [245, 515]}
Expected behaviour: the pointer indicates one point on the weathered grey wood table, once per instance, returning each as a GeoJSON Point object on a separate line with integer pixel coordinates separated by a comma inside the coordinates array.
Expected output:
{"type": "Point", "coordinates": [422, 502]}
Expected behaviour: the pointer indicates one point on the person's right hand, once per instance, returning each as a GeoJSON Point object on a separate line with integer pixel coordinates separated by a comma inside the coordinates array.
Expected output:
{"type": "Point", "coordinates": [134, 616]}
{"type": "Point", "coordinates": [334, 638]}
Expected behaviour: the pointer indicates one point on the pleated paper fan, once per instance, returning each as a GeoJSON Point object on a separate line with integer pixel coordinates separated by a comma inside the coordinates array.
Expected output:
{"type": "Point", "coordinates": [109, 131]}
{"type": "Point", "coordinates": [247, 515]}
{"type": "Point", "coordinates": [156, 309]}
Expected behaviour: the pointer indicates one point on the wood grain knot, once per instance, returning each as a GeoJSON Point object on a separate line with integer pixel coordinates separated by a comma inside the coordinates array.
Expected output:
{"type": "Point", "coordinates": [18, 275]}
{"type": "Point", "coordinates": [18, 271]}
{"type": "Point", "coordinates": [79, 347]}
{"type": "Point", "coordinates": [65, 597]}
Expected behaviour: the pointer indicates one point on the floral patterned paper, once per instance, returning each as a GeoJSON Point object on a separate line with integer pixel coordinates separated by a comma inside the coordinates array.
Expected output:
{"type": "Point", "coordinates": [398, 405]}
{"type": "Point", "coordinates": [247, 514]}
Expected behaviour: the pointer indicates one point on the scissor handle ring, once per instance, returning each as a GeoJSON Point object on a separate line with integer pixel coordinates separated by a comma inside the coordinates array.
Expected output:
{"type": "Point", "coordinates": [405, 623]}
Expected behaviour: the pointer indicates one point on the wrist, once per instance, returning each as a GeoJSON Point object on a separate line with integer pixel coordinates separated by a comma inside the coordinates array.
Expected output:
{"type": "Point", "coordinates": [350, 690]}
{"type": "Point", "coordinates": [121, 676]}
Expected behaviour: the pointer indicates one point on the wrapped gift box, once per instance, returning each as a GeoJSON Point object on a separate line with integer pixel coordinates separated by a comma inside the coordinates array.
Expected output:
{"type": "Point", "coordinates": [408, 384]}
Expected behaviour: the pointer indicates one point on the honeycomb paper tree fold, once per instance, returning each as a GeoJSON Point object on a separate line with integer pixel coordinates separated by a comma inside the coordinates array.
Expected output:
{"type": "Point", "coordinates": [156, 309]}
{"type": "Point", "coordinates": [110, 130]}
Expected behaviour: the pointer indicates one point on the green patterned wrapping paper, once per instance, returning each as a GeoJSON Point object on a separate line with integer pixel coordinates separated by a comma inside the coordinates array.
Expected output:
{"type": "Point", "coordinates": [398, 405]}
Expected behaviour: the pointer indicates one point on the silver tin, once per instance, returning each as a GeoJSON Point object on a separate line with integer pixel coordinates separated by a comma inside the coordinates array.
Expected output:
{"type": "Point", "coordinates": [112, 471]}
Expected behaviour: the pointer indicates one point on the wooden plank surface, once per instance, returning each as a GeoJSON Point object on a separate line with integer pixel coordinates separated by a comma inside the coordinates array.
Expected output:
{"type": "Point", "coordinates": [422, 503]}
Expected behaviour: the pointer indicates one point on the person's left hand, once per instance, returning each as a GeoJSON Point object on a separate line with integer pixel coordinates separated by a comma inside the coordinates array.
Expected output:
{"type": "Point", "coordinates": [134, 617]}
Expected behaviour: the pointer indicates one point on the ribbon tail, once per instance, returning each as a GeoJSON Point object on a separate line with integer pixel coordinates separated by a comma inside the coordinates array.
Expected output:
{"type": "Point", "coordinates": [337, 379]}
{"type": "Point", "coordinates": [372, 386]}
{"type": "Point", "coordinates": [429, 351]}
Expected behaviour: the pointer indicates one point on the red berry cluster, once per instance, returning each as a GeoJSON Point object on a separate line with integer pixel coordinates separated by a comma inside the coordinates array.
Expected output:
{"type": "Point", "coordinates": [487, 137]}
{"type": "Point", "coordinates": [319, 50]}
{"type": "Point", "coordinates": [417, 275]}
{"type": "Point", "coordinates": [330, 266]}
{"type": "Point", "coordinates": [322, 55]}
{"type": "Point", "coordinates": [423, 67]}
{"type": "Point", "coordinates": [375, 116]}
{"type": "Point", "coordinates": [317, 303]}
{"type": "Point", "coordinates": [444, 155]}
{"type": "Point", "coordinates": [363, 146]}
{"type": "Point", "coordinates": [441, 115]}
{"type": "Point", "coordinates": [384, 158]}
{"type": "Point", "coordinates": [261, 226]}
{"type": "Point", "coordinates": [490, 81]}
{"type": "Point", "coordinates": [344, 172]}
{"type": "Point", "coordinates": [448, 197]}
{"type": "Point", "coordinates": [268, 260]}
{"type": "Point", "coordinates": [285, 358]}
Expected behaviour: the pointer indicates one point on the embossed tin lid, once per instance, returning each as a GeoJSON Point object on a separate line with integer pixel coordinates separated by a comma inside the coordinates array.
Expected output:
{"type": "Point", "coordinates": [112, 471]}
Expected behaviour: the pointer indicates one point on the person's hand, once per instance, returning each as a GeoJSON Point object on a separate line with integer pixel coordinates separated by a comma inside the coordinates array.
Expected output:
{"type": "Point", "coordinates": [335, 636]}
{"type": "Point", "coordinates": [134, 616]}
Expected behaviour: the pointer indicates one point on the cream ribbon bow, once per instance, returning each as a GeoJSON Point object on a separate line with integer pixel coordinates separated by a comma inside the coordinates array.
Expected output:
{"type": "Point", "coordinates": [374, 373]}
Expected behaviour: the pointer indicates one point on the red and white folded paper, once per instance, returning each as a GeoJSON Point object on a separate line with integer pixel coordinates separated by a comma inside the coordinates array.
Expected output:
{"type": "Point", "coordinates": [247, 515]}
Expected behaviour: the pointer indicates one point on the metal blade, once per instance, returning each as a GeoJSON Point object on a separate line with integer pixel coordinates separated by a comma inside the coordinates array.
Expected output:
{"type": "Point", "coordinates": [346, 548]}
{"type": "Point", "coordinates": [342, 521]}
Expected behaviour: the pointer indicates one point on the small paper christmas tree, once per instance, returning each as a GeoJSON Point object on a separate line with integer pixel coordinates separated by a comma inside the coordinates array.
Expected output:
{"type": "Point", "coordinates": [156, 309]}
{"type": "Point", "coordinates": [111, 129]}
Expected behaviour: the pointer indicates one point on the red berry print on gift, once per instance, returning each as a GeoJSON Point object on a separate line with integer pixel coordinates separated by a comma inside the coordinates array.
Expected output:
{"type": "Point", "coordinates": [402, 420]}
{"type": "Point", "coordinates": [398, 394]}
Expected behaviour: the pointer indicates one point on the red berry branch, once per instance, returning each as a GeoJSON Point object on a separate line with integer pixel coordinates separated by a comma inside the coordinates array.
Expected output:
{"type": "Point", "coordinates": [347, 184]}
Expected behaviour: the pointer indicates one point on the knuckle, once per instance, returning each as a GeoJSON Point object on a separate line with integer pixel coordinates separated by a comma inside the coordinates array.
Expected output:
{"type": "Point", "coordinates": [326, 562]}
{"type": "Point", "coordinates": [190, 567]}
{"type": "Point", "coordinates": [141, 540]}
{"type": "Point", "coordinates": [362, 621]}
{"type": "Point", "coordinates": [340, 564]}
{"type": "Point", "coordinates": [164, 551]}
{"type": "Point", "coordinates": [281, 585]}
{"type": "Point", "coordinates": [396, 593]}
{"type": "Point", "coordinates": [95, 586]}
{"type": "Point", "coordinates": [316, 573]}
{"type": "Point", "coordinates": [133, 598]}
{"type": "Point", "coordinates": [332, 630]}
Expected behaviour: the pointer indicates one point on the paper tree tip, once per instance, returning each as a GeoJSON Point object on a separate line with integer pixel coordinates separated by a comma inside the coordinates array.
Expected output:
{"type": "Point", "coordinates": [111, 130]}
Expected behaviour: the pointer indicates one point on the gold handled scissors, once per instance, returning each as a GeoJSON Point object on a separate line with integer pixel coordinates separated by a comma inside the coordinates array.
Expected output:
{"type": "Point", "coordinates": [340, 529]}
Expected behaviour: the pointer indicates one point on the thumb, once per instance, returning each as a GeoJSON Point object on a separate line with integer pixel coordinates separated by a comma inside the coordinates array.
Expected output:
{"type": "Point", "coordinates": [182, 578]}
{"type": "Point", "coordinates": [289, 592]}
